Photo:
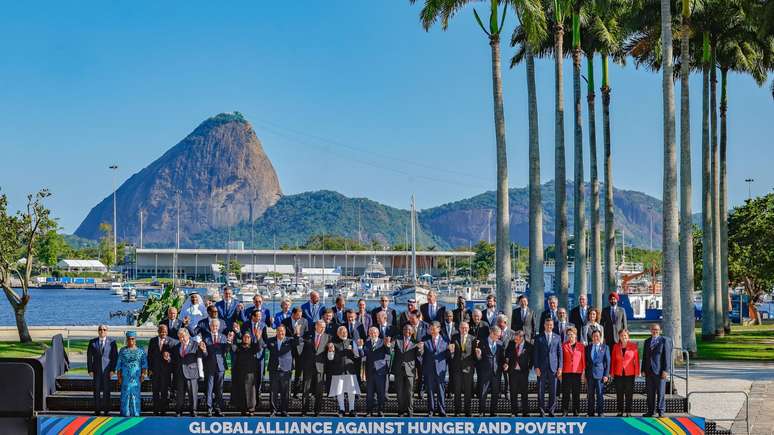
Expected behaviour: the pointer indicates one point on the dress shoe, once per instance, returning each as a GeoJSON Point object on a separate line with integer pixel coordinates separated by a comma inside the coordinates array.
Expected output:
{"type": "Point", "coordinates": [575, 414]}
{"type": "Point", "coordinates": [284, 414]}
{"type": "Point", "coordinates": [468, 414]}
{"type": "Point", "coordinates": [218, 413]}
{"type": "Point", "coordinates": [380, 414]}
{"type": "Point", "coordinates": [179, 414]}
{"type": "Point", "coordinates": [303, 413]}
{"type": "Point", "coordinates": [341, 413]}
{"type": "Point", "coordinates": [442, 414]}
{"type": "Point", "coordinates": [526, 414]}
{"type": "Point", "coordinates": [244, 413]}
{"type": "Point", "coordinates": [193, 414]}
{"type": "Point", "coordinates": [542, 413]}
{"type": "Point", "coordinates": [564, 413]}
{"type": "Point", "coordinates": [660, 415]}
{"type": "Point", "coordinates": [97, 413]}
{"type": "Point", "coordinates": [317, 414]}
{"type": "Point", "coordinates": [620, 414]}
{"type": "Point", "coordinates": [551, 414]}
{"type": "Point", "coordinates": [209, 413]}
{"type": "Point", "coordinates": [647, 414]}
{"type": "Point", "coordinates": [352, 414]}
{"type": "Point", "coordinates": [628, 414]}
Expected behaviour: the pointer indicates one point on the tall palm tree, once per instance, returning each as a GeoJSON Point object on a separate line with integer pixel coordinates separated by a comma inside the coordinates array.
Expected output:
{"type": "Point", "coordinates": [686, 214]}
{"type": "Point", "coordinates": [579, 212]}
{"type": "Point", "coordinates": [708, 257]}
{"type": "Point", "coordinates": [670, 245]}
{"type": "Point", "coordinates": [444, 10]}
{"type": "Point", "coordinates": [714, 180]}
{"type": "Point", "coordinates": [596, 248]}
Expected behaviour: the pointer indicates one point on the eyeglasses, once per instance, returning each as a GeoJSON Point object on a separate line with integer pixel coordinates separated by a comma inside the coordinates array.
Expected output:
{"type": "Point", "coordinates": [101, 329]}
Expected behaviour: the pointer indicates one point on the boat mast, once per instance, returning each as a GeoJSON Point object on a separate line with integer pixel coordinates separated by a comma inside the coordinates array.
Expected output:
{"type": "Point", "coordinates": [177, 244]}
{"type": "Point", "coordinates": [413, 242]}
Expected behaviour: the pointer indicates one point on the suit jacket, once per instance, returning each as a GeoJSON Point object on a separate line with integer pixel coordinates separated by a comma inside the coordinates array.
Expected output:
{"type": "Point", "coordinates": [288, 324]}
{"type": "Point", "coordinates": [446, 334]}
{"type": "Point", "coordinates": [203, 328]}
{"type": "Point", "coordinates": [573, 358]}
{"type": "Point", "coordinates": [524, 360]}
{"type": "Point", "coordinates": [657, 357]}
{"type": "Point", "coordinates": [389, 331]}
{"type": "Point", "coordinates": [612, 326]}
{"type": "Point", "coordinates": [626, 361]}
{"type": "Point", "coordinates": [421, 331]}
{"type": "Point", "coordinates": [576, 318]}
{"type": "Point", "coordinates": [507, 336]}
{"type": "Point", "coordinates": [186, 365]}
{"type": "Point", "coordinates": [527, 324]}
{"type": "Point", "coordinates": [354, 332]}
{"type": "Point", "coordinates": [173, 326]}
{"type": "Point", "coordinates": [338, 315]}
{"type": "Point", "coordinates": [101, 361]}
{"type": "Point", "coordinates": [480, 331]}
{"type": "Point", "coordinates": [461, 315]}
{"type": "Point", "coordinates": [464, 361]}
{"type": "Point", "coordinates": [313, 358]}
{"type": "Point", "coordinates": [405, 357]}
{"type": "Point", "coordinates": [548, 356]}
{"type": "Point", "coordinates": [377, 358]}
{"type": "Point", "coordinates": [260, 339]}
{"type": "Point", "coordinates": [434, 357]}
{"type": "Point", "coordinates": [490, 363]}
{"type": "Point", "coordinates": [366, 320]}
{"type": "Point", "coordinates": [490, 319]}
{"type": "Point", "coordinates": [562, 330]}
{"type": "Point", "coordinates": [216, 362]}
{"type": "Point", "coordinates": [588, 329]}
{"type": "Point", "coordinates": [279, 318]}
{"type": "Point", "coordinates": [597, 366]}
{"type": "Point", "coordinates": [244, 359]}
{"type": "Point", "coordinates": [265, 317]}
{"type": "Point", "coordinates": [156, 362]}
{"type": "Point", "coordinates": [392, 316]}
{"type": "Point", "coordinates": [544, 315]}
{"type": "Point", "coordinates": [440, 313]}
{"type": "Point", "coordinates": [346, 356]}
{"type": "Point", "coordinates": [228, 314]}
{"type": "Point", "coordinates": [311, 314]}
{"type": "Point", "coordinates": [281, 357]}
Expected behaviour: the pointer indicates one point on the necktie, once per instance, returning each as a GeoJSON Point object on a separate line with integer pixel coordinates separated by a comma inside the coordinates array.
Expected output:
{"type": "Point", "coordinates": [612, 314]}
{"type": "Point", "coordinates": [462, 342]}
{"type": "Point", "coordinates": [594, 354]}
{"type": "Point", "coordinates": [161, 344]}
{"type": "Point", "coordinates": [492, 346]}
{"type": "Point", "coordinates": [405, 344]}
{"type": "Point", "coordinates": [523, 314]}
{"type": "Point", "coordinates": [518, 355]}
{"type": "Point", "coordinates": [432, 311]}
{"type": "Point", "coordinates": [435, 344]}
{"type": "Point", "coordinates": [583, 314]}
{"type": "Point", "coordinates": [102, 345]}
{"type": "Point", "coordinates": [255, 331]}
{"type": "Point", "coordinates": [215, 340]}
{"type": "Point", "coordinates": [548, 338]}
{"type": "Point", "coordinates": [317, 341]}
{"type": "Point", "coordinates": [183, 349]}
{"type": "Point", "coordinates": [279, 345]}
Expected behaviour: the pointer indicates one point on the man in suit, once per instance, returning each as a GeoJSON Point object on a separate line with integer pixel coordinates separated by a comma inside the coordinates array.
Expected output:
{"type": "Point", "coordinates": [613, 320]}
{"type": "Point", "coordinates": [432, 311]}
{"type": "Point", "coordinates": [384, 305]}
{"type": "Point", "coordinates": [172, 322]}
{"type": "Point", "coordinates": [229, 310]}
{"type": "Point", "coordinates": [490, 313]}
{"type": "Point", "coordinates": [489, 354]}
{"type": "Point", "coordinates": [478, 327]}
{"type": "Point", "coordinates": [597, 373]}
{"type": "Point", "coordinates": [215, 366]}
{"type": "Point", "coordinates": [384, 326]}
{"type": "Point", "coordinates": [562, 325]}
{"type": "Point", "coordinates": [548, 366]}
{"type": "Point", "coordinates": [411, 308]}
{"type": "Point", "coordinates": [434, 367]}
{"type": "Point", "coordinates": [421, 332]}
{"type": "Point", "coordinates": [461, 314]}
{"type": "Point", "coordinates": [203, 328]}
{"type": "Point", "coordinates": [656, 367]}
{"type": "Point", "coordinates": [313, 360]}
{"type": "Point", "coordinates": [518, 363]}
{"type": "Point", "coordinates": [406, 355]}
{"type": "Point", "coordinates": [363, 316]}
{"type": "Point", "coordinates": [160, 367]}
{"type": "Point", "coordinates": [377, 367]}
{"type": "Point", "coordinates": [506, 336]}
{"type": "Point", "coordinates": [580, 314]}
{"type": "Point", "coordinates": [339, 311]}
{"type": "Point", "coordinates": [330, 322]}
{"type": "Point", "coordinates": [523, 319]}
{"type": "Point", "coordinates": [354, 329]}
{"type": "Point", "coordinates": [553, 313]}
{"type": "Point", "coordinates": [284, 313]}
{"type": "Point", "coordinates": [281, 352]}
{"type": "Point", "coordinates": [101, 359]}
{"type": "Point", "coordinates": [463, 364]}
{"type": "Point", "coordinates": [184, 356]}
{"type": "Point", "coordinates": [448, 327]}
{"type": "Point", "coordinates": [255, 327]}
{"type": "Point", "coordinates": [296, 325]}
{"type": "Point", "coordinates": [257, 306]}
{"type": "Point", "coordinates": [313, 309]}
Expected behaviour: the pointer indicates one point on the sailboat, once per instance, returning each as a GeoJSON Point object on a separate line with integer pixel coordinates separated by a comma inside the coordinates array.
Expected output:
{"type": "Point", "coordinates": [412, 290]}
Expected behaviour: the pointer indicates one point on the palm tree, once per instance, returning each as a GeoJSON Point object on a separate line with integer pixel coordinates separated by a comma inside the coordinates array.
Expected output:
{"type": "Point", "coordinates": [444, 10]}
{"type": "Point", "coordinates": [686, 214]}
{"type": "Point", "coordinates": [708, 257]}
{"type": "Point", "coordinates": [579, 212]}
{"type": "Point", "coordinates": [670, 245]}
{"type": "Point", "coordinates": [596, 248]}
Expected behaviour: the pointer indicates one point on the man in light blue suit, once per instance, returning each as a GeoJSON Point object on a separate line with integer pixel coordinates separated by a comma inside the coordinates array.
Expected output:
{"type": "Point", "coordinates": [656, 367]}
{"type": "Point", "coordinates": [313, 309]}
{"type": "Point", "coordinates": [548, 365]}
{"type": "Point", "coordinates": [597, 373]}
{"type": "Point", "coordinates": [229, 309]}
{"type": "Point", "coordinates": [434, 368]}
{"type": "Point", "coordinates": [247, 313]}
{"type": "Point", "coordinates": [101, 359]}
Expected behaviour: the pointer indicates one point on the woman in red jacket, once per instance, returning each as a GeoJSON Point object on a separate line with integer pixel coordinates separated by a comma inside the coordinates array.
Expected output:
{"type": "Point", "coordinates": [624, 367]}
{"type": "Point", "coordinates": [573, 369]}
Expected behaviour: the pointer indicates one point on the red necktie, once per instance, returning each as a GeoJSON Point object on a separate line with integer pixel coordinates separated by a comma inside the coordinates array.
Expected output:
{"type": "Point", "coordinates": [405, 345]}
{"type": "Point", "coordinates": [317, 341]}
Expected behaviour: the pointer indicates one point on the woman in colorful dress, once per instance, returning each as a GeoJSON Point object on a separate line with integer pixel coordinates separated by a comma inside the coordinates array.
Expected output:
{"type": "Point", "coordinates": [132, 367]}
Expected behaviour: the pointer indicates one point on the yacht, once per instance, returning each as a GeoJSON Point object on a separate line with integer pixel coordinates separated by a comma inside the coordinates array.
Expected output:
{"type": "Point", "coordinates": [412, 290]}
{"type": "Point", "coordinates": [375, 278]}
{"type": "Point", "coordinates": [130, 293]}
{"type": "Point", "coordinates": [116, 287]}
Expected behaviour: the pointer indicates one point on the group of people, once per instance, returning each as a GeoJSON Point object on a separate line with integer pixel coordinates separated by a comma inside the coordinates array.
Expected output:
{"type": "Point", "coordinates": [429, 350]}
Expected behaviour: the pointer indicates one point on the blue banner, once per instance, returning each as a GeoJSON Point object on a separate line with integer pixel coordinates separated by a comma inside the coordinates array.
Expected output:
{"type": "Point", "coordinates": [74, 425]}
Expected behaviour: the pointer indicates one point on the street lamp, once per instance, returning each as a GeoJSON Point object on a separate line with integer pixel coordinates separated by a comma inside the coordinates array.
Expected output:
{"type": "Point", "coordinates": [749, 182]}
{"type": "Point", "coordinates": [114, 167]}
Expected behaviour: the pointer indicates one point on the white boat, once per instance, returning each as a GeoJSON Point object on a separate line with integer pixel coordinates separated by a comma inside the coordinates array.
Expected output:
{"type": "Point", "coordinates": [412, 290]}
{"type": "Point", "coordinates": [130, 294]}
{"type": "Point", "coordinates": [116, 287]}
{"type": "Point", "coordinates": [374, 279]}
{"type": "Point", "coordinates": [247, 292]}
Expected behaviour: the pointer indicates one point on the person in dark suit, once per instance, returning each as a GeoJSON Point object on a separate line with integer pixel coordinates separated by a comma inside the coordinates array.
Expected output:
{"type": "Point", "coordinates": [518, 363]}
{"type": "Point", "coordinates": [656, 367]}
{"type": "Point", "coordinates": [553, 313]}
{"type": "Point", "coordinates": [377, 367]}
{"type": "Point", "coordinates": [411, 308]}
{"type": "Point", "coordinates": [339, 311]}
{"type": "Point", "coordinates": [448, 327]}
{"type": "Point", "coordinates": [421, 332]}
{"type": "Point", "coordinates": [384, 306]}
{"type": "Point", "coordinates": [463, 362]}
{"type": "Point", "coordinates": [523, 319]}
{"type": "Point", "coordinates": [284, 313]}
{"type": "Point", "coordinates": [613, 320]}
{"type": "Point", "coordinates": [313, 309]}
{"type": "Point", "coordinates": [624, 368]}
{"type": "Point", "coordinates": [406, 354]}
{"type": "Point", "coordinates": [343, 356]}
{"type": "Point", "coordinates": [562, 325]}
{"type": "Point", "coordinates": [215, 366]}
{"type": "Point", "coordinates": [297, 325]}
{"type": "Point", "coordinates": [478, 327]}
{"type": "Point", "coordinates": [101, 359]}
{"type": "Point", "coordinates": [354, 330]}
{"type": "Point", "coordinates": [432, 311]}
{"type": "Point", "coordinates": [160, 366]}
{"type": "Point", "coordinates": [247, 313]}
{"type": "Point", "coordinates": [597, 373]}
{"type": "Point", "coordinates": [281, 352]}
{"type": "Point", "coordinates": [313, 359]}
{"type": "Point", "coordinates": [244, 369]}
{"type": "Point", "coordinates": [489, 354]}
{"type": "Point", "coordinates": [461, 314]}
{"type": "Point", "coordinates": [173, 323]}
{"type": "Point", "coordinates": [229, 309]}
{"type": "Point", "coordinates": [580, 314]}
{"type": "Point", "coordinates": [506, 336]}
{"type": "Point", "coordinates": [490, 313]}
{"type": "Point", "coordinates": [548, 366]}
{"type": "Point", "coordinates": [203, 327]}
{"type": "Point", "coordinates": [434, 367]}
{"type": "Point", "coordinates": [184, 357]}
{"type": "Point", "coordinates": [256, 328]}
{"type": "Point", "coordinates": [330, 322]}
{"type": "Point", "coordinates": [384, 326]}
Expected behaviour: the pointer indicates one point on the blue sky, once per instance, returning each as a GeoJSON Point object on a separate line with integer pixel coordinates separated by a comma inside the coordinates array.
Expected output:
{"type": "Point", "coordinates": [346, 95]}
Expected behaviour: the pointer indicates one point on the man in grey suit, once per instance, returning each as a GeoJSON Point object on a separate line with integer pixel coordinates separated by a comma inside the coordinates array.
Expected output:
{"type": "Point", "coordinates": [184, 356]}
{"type": "Point", "coordinates": [406, 354]}
{"type": "Point", "coordinates": [613, 320]}
{"type": "Point", "coordinates": [101, 358]}
{"type": "Point", "coordinates": [548, 366]}
{"type": "Point", "coordinates": [656, 367]}
{"type": "Point", "coordinates": [377, 363]}
{"type": "Point", "coordinates": [313, 360]}
{"type": "Point", "coordinates": [463, 366]}
{"type": "Point", "coordinates": [297, 326]}
{"type": "Point", "coordinates": [523, 319]}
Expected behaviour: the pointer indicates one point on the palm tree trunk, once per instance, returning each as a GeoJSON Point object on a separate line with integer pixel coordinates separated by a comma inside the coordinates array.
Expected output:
{"type": "Point", "coordinates": [670, 244]}
{"type": "Point", "coordinates": [502, 248]}
{"type": "Point", "coordinates": [724, 200]}
{"type": "Point", "coordinates": [537, 291]}
{"type": "Point", "coordinates": [561, 282]}
{"type": "Point", "coordinates": [579, 223]}
{"type": "Point", "coordinates": [686, 189]}
{"type": "Point", "coordinates": [596, 248]}
{"type": "Point", "coordinates": [719, 331]}
{"type": "Point", "coordinates": [610, 284]}
{"type": "Point", "coordinates": [708, 257]}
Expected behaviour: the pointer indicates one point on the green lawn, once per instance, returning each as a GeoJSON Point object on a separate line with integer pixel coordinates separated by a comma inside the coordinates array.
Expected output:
{"type": "Point", "coordinates": [746, 343]}
{"type": "Point", "coordinates": [12, 349]}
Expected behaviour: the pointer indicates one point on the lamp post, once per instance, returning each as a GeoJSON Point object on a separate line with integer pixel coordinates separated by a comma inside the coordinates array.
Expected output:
{"type": "Point", "coordinates": [114, 167]}
{"type": "Point", "coordinates": [749, 182]}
